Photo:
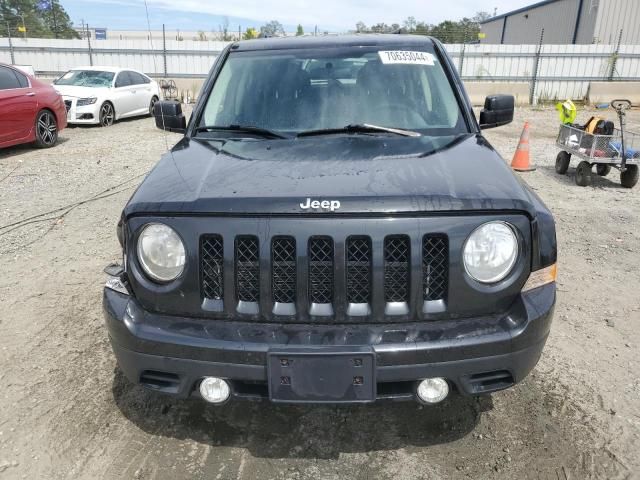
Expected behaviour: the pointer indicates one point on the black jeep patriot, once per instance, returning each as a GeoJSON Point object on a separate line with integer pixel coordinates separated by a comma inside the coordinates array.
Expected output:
{"type": "Point", "coordinates": [332, 228]}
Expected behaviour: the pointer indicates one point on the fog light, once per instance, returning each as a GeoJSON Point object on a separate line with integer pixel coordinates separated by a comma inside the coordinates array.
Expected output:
{"type": "Point", "coordinates": [433, 390]}
{"type": "Point", "coordinates": [214, 389]}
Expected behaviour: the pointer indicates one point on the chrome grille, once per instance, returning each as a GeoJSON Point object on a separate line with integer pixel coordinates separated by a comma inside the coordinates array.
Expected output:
{"type": "Point", "coordinates": [435, 267]}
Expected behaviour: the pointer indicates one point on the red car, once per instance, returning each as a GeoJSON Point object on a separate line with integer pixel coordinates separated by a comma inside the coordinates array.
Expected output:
{"type": "Point", "coordinates": [30, 110]}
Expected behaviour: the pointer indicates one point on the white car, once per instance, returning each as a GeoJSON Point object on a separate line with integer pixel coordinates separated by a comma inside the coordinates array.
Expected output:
{"type": "Point", "coordinates": [102, 95]}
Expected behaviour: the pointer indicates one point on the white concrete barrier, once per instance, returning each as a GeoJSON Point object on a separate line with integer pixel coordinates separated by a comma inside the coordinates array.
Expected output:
{"type": "Point", "coordinates": [477, 91]}
{"type": "Point", "coordinates": [604, 92]}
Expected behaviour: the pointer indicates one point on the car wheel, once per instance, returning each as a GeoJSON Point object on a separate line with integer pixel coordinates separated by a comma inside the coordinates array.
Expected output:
{"type": "Point", "coordinates": [107, 114]}
{"type": "Point", "coordinates": [583, 174]}
{"type": "Point", "coordinates": [562, 162]}
{"type": "Point", "coordinates": [603, 169]}
{"type": "Point", "coordinates": [154, 99]}
{"type": "Point", "coordinates": [629, 177]}
{"type": "Point", "coordinates": [46, 129]}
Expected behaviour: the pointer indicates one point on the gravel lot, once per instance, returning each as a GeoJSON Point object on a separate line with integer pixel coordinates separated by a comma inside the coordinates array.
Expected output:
{"type": "Point", "coordinates": [66, 411]}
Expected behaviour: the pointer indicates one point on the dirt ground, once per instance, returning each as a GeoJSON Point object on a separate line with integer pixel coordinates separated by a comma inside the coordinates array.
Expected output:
{"type": "Point", "coordinates": [66, 411]}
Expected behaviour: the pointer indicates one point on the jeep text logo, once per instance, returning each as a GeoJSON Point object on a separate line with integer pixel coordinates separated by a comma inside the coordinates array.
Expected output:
{"type": "Point", "coordinates": [324, 204]}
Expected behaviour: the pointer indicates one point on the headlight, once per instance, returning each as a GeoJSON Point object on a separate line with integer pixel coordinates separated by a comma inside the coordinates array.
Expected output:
{"type": "Point", "coordinates": [161, 252]}
{"type": "Point", "coordinates": [490, 252]}
{"type": "Point", "coordinates": [86, 101]}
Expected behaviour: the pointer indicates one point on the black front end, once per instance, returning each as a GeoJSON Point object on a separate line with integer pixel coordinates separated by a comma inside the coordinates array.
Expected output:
{"type": "Point", "coordinates": [328, 308]}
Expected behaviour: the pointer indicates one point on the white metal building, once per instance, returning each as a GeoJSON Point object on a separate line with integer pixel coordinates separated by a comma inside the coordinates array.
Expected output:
{"type": "Point", "coordinates": [567, 22]}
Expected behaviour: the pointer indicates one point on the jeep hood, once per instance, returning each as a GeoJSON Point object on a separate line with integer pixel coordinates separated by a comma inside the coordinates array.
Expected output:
{"type": "Point", "coordinates": [384, 175]}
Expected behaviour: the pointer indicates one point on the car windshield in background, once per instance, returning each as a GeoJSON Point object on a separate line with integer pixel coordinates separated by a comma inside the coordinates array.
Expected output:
{"type": "Point", "coordinates": [295, 91]}
{"type": "Point", "coordinates": [86, 78]}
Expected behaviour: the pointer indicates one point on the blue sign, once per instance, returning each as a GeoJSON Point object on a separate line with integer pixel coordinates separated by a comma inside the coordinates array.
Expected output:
{"type": "Point", "coordinates": [101, 33]}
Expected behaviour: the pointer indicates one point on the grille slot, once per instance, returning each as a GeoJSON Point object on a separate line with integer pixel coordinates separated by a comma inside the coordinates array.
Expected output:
{"type": "Point", "coordinates": [67, 105]}
{"type": "Point", "coordinates": [321, 270]}
{"type": "Point", "coordinates": [396, 268]}
{"type": "Point", "coordinates": [358, 270]}
{"type": "Point", "coordinates": [435, 267]}
{"type": "Point", "coordinates": [212, 266]}
{"type": "Point", "coordinates": [247, 261]}
{"type": "Point", "coordinates": [283, 269]}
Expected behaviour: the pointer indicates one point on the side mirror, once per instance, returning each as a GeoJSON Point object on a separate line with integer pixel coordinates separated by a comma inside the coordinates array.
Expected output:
{"type": "Point", "coordinates": [169, 116]}
{"type": "Point", "coordinates": [497, 111]}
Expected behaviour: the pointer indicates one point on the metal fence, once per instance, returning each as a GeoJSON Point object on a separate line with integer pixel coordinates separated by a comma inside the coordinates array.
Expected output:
{"type": "Point", "coordinates": [550, 71]}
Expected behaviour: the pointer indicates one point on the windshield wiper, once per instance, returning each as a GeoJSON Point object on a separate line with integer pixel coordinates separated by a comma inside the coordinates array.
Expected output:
{"type": "Point", "coordinates": [359, 128]}
{"type": "Point", "coordinates": [263, 132]}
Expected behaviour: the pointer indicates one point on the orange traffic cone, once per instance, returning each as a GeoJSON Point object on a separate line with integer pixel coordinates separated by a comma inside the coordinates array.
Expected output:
{"type": "Point", "coordinates": [520, 162]}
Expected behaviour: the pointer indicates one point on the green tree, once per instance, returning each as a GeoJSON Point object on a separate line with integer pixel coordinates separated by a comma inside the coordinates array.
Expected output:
{"type": "Point", "coordinates": [224, 30]}
{"type": "Point", "coordinates": [250, 33]}
{"type": "Point", "coordinates": [299, 31]}
{"type": "Point", "coordinates": [481, 16]}
{"type": "Point", "coordinates": [380, 28]}
{"type": "Point", "coordinates": [422, 28]}
{"type": "Point", "coordinates": [272, 29]}
{"type": "Point", "coordinates": [361, 27]}
{"type": "Point", "coordinates": [410, 24]}
{"type": "Point", "coordinates": [42, 18]}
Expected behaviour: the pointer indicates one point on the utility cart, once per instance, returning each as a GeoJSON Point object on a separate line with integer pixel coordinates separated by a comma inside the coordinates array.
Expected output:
{"type": "Point", "coordinates": [621, 150]}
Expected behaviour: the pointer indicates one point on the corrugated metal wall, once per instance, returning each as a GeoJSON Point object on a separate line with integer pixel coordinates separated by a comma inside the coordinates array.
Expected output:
{"type": "Point", "coordinates": [564, 71]}
{"type": "Point", "coordinates": [616, 15]}
{"type": "Point", "coordinates": [558, 20]}
{"type": "Point", "coordinates": [492, 31]}
{"type": "Point", "coordinates": [184, 58]}
{"type": "Point", "coordinates": [587, 25]}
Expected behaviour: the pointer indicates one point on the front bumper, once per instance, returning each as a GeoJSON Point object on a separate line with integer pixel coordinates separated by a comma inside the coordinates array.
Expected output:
{"type": "Point", "coordinates": [86, 114]}
{"type": "Point", "coordinates": [478, 355]}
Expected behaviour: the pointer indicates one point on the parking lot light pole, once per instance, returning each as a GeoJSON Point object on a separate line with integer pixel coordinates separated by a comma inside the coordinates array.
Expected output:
{"type": "Point", "coordinates": [13, 58]}
{"type": "Point", "coordinates": [89, 45]}
{"type": "Point", "coordinates": [55, 21]}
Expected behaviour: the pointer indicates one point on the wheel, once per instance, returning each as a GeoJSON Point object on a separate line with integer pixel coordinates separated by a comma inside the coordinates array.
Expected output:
{"type": "Point", "coordinates": [154, 99]}
{"type": "Point", "coordinates": [107, 114]}
{"type": "Point", "coordinates": [583, 174]}
{"type": "Point", "coordinates": [629, 177]}
{"type": "Point", "coordinates": [562, 162]}
{"type": "Point", "coordinates": [46, 129]}
{"type": "Point", "coordinates": [603, 169]}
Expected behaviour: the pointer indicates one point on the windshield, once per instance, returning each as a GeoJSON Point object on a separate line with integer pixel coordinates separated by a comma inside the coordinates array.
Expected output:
{"type": "Point", "coordinates": [296, 90]}
{"type": "Point", "coordinates": [86, 78]}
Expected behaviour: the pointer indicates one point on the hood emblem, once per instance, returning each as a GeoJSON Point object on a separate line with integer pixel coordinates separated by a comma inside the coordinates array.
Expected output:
{"type": "Point", "coordinates": [331, 205]}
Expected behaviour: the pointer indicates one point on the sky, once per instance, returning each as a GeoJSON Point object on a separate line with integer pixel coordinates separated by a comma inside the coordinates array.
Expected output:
{"type": "Point", "coordinates": [328, 15]}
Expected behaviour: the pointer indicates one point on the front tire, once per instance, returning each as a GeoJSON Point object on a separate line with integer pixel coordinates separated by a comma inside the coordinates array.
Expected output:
{"type": "Point", "coordinates": [629, 177]}
{"type": "Point", "coordinates": [583, 174]}
{"type": "Point", "coordinates": [154, 99]}
{"type": "Point", "coordinates": [46, 129]}
{"type": "Point", "coordinates": [107, 114]}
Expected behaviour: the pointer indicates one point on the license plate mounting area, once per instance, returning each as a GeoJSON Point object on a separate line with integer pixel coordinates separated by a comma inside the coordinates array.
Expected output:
{"type": "Point", "coordinates": [316, 376]}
